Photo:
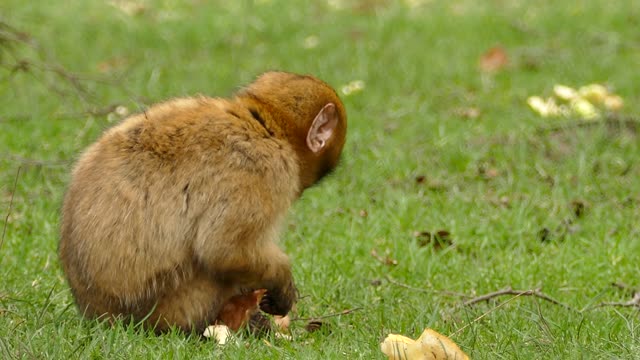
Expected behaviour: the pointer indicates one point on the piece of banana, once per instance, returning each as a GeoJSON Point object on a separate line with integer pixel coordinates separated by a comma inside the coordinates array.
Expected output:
{"type": "Point", "coordinates": [430, 346]}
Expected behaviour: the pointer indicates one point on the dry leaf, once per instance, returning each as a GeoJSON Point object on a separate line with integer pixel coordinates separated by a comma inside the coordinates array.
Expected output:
{"type": "Point", "coordinates": [469, 112]}
{"type": "Point", "coordinates": [495, 59]}
{"type": "Point", "coordinates": [387, 260]}
{"type": "Point", "coordinates": [315, 325]}
{"type": "Point", "coordinates": [430, 346]}
{"type": "Point", "coordinates": [238, 310]}
{"type": "Point", "coordinates": [440, 239]}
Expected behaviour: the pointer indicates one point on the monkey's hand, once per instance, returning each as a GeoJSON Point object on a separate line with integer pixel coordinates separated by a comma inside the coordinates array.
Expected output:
{"type": "Point", "coordinates": [280, 300]}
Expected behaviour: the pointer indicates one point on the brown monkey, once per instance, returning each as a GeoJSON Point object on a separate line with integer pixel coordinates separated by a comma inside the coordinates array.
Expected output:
{"type": "Point", "coordinates": [176, 210]}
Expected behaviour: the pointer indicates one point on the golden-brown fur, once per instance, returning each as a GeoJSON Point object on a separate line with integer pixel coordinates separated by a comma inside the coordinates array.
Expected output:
{"type": "Point", "coordinates": [176, 210]}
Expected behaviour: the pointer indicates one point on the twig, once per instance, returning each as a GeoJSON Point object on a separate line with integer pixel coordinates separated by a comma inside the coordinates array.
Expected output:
{"type": "Point", "coordinates": [634, 302]}
{"type": "Point", "coordinates": [611, 121]}
{"type": "Point", "coordinates": [6, 219]}
{"type": "Point", "coordinates": [443, 292]}
{"type": "Point", "coordinates": [34, 162]}
{"type": "Point", "coordinates": [509, 291]}
{"type": "Point", "coordinates": [623, 286]}
{"type": "Point", "coordinates": [397, 283]}
{"type": "Point", "coordinates": [344, 312]}
{"type": "Point", "coordinates": [483, 315]}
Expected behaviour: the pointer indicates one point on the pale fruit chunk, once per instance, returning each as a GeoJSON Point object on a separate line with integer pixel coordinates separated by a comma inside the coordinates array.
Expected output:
{"type": "Point", "coordinates": [430, 346]}
{"type": "Point", "coordinates": [220, 333]}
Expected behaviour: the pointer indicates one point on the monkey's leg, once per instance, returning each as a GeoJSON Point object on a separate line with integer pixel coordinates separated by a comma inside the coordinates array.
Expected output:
{"type": "Point", "coordinates": [192, 306]}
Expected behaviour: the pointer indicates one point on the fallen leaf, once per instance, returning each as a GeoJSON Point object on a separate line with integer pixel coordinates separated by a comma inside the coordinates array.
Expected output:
{"type": "Point", "coordinates": [439, 240]}
{"type": "Point", "coordinates": [494, 60]}
{"type": "Point", "coordinates": [469, 113]}
{"type": "Point", "coordinates": [387, 260]}
{"type": "Point", "coordinates": [544, 234]}
{"type": "Point", "coordinates": [112, 64]}
{"type": "Point", "coordinates": [578, 207]}
{"type": "Point", "coordinates": [315, 325]}
{"type": "Point", "coordinates": [237, 312]}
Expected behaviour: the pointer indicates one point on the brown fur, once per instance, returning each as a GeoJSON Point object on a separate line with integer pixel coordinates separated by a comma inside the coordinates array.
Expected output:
{"type": "Point", "coordinates": [176, 210]}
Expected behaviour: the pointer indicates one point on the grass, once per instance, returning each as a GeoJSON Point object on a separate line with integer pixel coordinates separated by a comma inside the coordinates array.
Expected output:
{"type": "Point", "coordinates": [495, 181]}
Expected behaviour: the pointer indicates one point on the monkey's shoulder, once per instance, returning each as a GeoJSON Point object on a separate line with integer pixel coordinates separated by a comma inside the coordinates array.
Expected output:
{"type": "Point", "coordinates": [194, 136]}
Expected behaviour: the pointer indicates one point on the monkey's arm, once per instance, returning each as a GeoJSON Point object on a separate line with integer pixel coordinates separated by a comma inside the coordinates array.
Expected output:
{"type": "Point", "coordinates": [238, 229]}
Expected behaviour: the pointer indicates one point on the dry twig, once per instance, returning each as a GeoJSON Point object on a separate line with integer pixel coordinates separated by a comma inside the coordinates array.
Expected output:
{"type": "Point", "coordinates": [6, 219]}
{"type": "Point", "coordinates": [344, 312]}
{"type": "Point", "coordinates": [611, 121]}
{"type": "Point", "coordinates": [443, 292]}
{"type": "Point", "coordinates": [509, 291]}
{"type": "Point", "coordinates": [634, 302]}
{"type": "Point", "coordinates": [397, 283]}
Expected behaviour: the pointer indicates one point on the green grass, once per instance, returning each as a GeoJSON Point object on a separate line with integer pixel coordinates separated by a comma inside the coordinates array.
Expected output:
{"type": "Point", "coordinates": [494, 182]}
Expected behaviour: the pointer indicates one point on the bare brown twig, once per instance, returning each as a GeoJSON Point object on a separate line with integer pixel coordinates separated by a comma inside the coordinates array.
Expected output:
{"type": "Point", "coordinates": [344, 312]}
{"type": "Point", "coordinates": [397, 283]}
{"type": "Point", "coordinates": [612, 121]}
{"type": "Point", "coordinates": [6, 219]}
{"type": "Point", "coordinates": [25, 54]}
{"type": "Point", "coordinates": [509, 291]}
{"type": "Point", "coordinates": [634, 302]}
{"type": "Point", "coordinates": [35, 162]}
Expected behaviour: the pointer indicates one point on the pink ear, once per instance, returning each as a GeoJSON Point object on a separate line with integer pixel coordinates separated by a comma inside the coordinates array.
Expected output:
{"type": "Point", "coordinates": [322, 128]}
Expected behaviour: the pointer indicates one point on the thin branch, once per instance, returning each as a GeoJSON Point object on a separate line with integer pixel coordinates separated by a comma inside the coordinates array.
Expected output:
{"type": "Point", "coordinates": [443, 292]}
{"type": "Point", "coordinates": [509, 291]}
{"type": "Point", "coordinates": [34, 162]}
{"type": "Point", "coordinates": [397, 283]}
{"type": "Point", "coordinates": [6, 219]}
{"type": "Point", "coordinates": [611, 121]}
{"type": "Point", "coordinates": [344, 312]}
{"type": "Point", "coordinates": [634, 302]}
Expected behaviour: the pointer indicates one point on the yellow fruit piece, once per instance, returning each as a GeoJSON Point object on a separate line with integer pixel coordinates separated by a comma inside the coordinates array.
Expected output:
{"type": "Point", "coordinates": [595, 93]}
{"type": "Point", "coordinates": [544, 108]}
{"type": "Point", "coordinates": [613, 102]}
{"type": "Point", "coordinates": [430, 346]}
{"type": "Point", "coordinates": [565, 92]}
{"type": "Point", "coordinates": [584, 109]}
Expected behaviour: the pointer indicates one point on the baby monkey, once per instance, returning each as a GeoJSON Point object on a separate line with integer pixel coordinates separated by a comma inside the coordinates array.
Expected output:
{"type": "Point", "coordinates": [177, 210]}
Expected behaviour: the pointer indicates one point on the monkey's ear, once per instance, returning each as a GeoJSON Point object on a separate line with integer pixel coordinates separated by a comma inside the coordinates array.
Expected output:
{"type": "Point", "coordinates": [322, 128]}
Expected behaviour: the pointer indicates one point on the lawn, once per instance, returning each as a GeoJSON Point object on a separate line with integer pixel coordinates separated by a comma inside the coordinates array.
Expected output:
{"type": "Point", "coordinates": [436, 145]}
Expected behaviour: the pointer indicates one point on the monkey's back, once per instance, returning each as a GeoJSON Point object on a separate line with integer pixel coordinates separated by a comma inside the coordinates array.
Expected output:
{"type": "Point", "coordinates": [163, 187]}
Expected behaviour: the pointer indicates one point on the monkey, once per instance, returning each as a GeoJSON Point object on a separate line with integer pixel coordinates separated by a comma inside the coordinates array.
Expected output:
{"type": "Point", "coordinates": [176, 211]}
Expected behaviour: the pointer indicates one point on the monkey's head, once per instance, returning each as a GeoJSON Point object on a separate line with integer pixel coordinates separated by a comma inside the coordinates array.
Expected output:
{"type": "Point", "coordinates": [308, 113]}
